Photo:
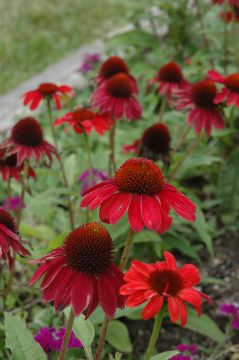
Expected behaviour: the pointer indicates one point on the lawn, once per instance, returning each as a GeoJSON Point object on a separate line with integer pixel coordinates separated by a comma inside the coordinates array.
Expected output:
{"type": "Point", "coordinates": [35, 34]}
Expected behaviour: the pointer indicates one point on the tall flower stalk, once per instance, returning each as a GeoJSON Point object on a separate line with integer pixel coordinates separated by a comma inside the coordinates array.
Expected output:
{"type": "Point", "coordinates": [155, 333]}
{"type": "Point", "coordinates": [64, 177]}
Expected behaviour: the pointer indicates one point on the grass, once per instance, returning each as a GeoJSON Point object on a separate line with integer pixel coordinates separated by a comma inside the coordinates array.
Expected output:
{"type": "Point", "coordinates": [35, 34]}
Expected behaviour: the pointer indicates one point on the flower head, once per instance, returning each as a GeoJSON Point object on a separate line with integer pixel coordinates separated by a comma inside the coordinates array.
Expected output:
{"type": "Point", "coordinates": [13, 203]}
{"type": "Point", "coordinates": [231, 310]}
{"type": "Point", "coordinates": [9, 168]}
{"type": "Point", "coordinates": [116, 97]}
{"type": "Point", "coordinates": [89, 61]}
{"type": "Point", "coordinates": [82, 272]}
{"type": "Point", "coordinates": [112, 66]}
{"type": "Point", "coordinates": [155, 141]}
{"type": "Point", "coordinates": [46, 91]}
{"type": "Point", "coordinates": [27, 142]}
{"type": "Point", "coordinates": [230, 91]}
{"type": "Point", "coordinates": [138, 187]}
{"type": "Point", "coordinates": [51, 339]}
{"type": "Point", "coordinates": [9, 238]}
{"type": "Point", "coordinates": [85, 180]}
{"type": "Point", "coordinates": [83, 120]}
{"type": "Point", "coordinates": [162, 282]}
{"type": "Point", "coordinates": [199, 98]}
{"type": "Point", "coordinates": [170, 79]}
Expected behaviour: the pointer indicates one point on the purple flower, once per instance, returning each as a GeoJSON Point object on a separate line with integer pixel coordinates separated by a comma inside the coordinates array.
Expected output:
{"type": "Point", "coordinates": [89, 61]}
{"type": "Point", "coordinates": [13, 203]}
{"type": "Point", "coordinates": [231, 310]}
{"type": "Point", "coordinates": [187, 349]}
{"type": "Point", "coordinates": [98, 176]}
{"type": "Point", "coordinates": [51, 339]}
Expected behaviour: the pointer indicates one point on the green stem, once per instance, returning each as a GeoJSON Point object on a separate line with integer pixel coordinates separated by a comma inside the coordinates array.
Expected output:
{"type": "Point", "coordinates": [90, 164]}
{"type": "Point", "coordinates": [162, 108]}
{"type": "Point", "coordinates": [105, 324]}
{"type": "Point", "coordinates": [69, 326]}
{"type": "Point", "coordinates": [225, 32]}
{"type": "Point", "coordinates": [8, 193]}
{"type": "Point", "coordinates": [126, 250]}
{"type": "Point", "coordinates": [154, 335]}
{"type": "Point", "coordinates": [189, 152]}
{"type": "Point", "coordinates": [205, 39]}
{"type": "Point", "coordinates": [112, 162]}
{"type": "Point", "coordinates": [65, 180]}
{"type": "Point", "coordinates": [181, 141]}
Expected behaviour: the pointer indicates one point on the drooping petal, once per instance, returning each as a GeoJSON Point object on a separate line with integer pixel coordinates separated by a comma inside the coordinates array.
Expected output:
{"type": "Point", "coordinates": [81, 293]}
{"type": "Point", "coordinates": [134, 213]}
{"type": "Point", "coordinates": [151, 212]}
{"type": "Point", "coordinates": [107, 296]}
{"type": "Point", "coordinates": [153, 307]}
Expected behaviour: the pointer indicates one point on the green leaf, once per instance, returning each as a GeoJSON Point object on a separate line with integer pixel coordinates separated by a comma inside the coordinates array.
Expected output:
{"type": "Point", "coordinates": [118, 336]}
{"type": "Point", "coordinates": [204, 325]}
{"type": "Point", "coordinates": [202, 229]}
{"type": "Point", "coordinates": [20, 340]}
{"type": "Point", "coordinates": [84, 331]}
{"type": "Point", "coordinates": [98, 316]}
{"type": "Point", "coordinates": [165, 355]}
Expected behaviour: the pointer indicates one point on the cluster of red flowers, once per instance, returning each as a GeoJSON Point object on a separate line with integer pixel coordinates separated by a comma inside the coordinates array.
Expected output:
{"type": "Point", "coordinates": [81, 272]}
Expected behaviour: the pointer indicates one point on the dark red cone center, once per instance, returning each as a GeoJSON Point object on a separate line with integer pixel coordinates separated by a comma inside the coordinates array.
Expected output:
{"type": "Point", "coordinates": [27, 132]}
{"type": "Point", "coordinates": [113, 66]}
{"type": "Point", "coordinates": [82, 114]}
{"type": "Point", "coordinates": [165, 282]}
{"type": "Point", "coordinates": [157, 138]}
{"type": "Point", "coordinates": [88, 249]}
{"type": "Point", "coordinates": [47, 88]}
{"type": "Point", "coordinates": [170, 72]}
{"type": "Point", "coordinates": [232, 82]}
{"type": "Point", "coordinates": [203, 93]}
{"type": "Point", "coordinates": [120, 86]}
{"type": "Point", "coordinates": [139, 176]}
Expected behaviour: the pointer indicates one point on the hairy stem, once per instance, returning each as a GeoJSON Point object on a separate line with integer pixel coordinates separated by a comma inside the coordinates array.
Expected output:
{"type": "Point", "coordinates": [64, 177]}
{"type": "Point", "coordinates": [154, 335]}
{"type": "Point", "coordinates": [69, 325]}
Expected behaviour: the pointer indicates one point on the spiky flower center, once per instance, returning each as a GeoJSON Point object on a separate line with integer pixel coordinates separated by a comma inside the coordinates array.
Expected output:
{"type": "Point", "coordinates": [232, 82]}
{"type": "Point", "coordinates": [165, 282]}
{"type": "Point", "coordinates": [139, 176]}
{"type": "Point", "coordinates": [203, 93]}
{"type": "Point", "coordinates": [113, 66]}
{"type": "Point", "coordinates": [28, 132]}
{"type": "Point", "coordinates": [120, 86]}
{"type": "Point", "coordinates": [82, 114]}
{"type": "Point", "coordinates": [88, 249]}
{"type": "Point", "coordinates": [7, 220]}
{"type": "Point", "coordinates": [170, 72]}
{"type": "Point", "coordinates": [157, 138]}
{"type": "Point", "coordinates": [47, 88]}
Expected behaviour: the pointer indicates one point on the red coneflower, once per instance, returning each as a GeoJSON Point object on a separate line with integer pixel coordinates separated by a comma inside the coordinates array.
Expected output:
{"type": "Point", "coordinates": [9, 239]}
{"type": "Point", "coordinates": [81, 272]}
{"type": "Point", "coordinates": [9, 168]}
{"type": "Point", "coordinates": [115, 96]}
{"type": "Point", "coordinates": [155, 141]}
{"type": "Point", "coordinates": [230, 91]}
{"type": "Point", "coordinates": [112, 66]}
{"type": "Point", "coordinates": [84, 120]}
{"type": "Point", "coordinates": [170, 79]}
{"type": "Point", "coordinates": [138, 187]}
{"type": "Point", "coordinates": [27, 142]}
{"type": "Point", "coordinates": [162, 282]}
{"type": "Point", "coordinates": [47, 91]}
{"type": "Point", "coordinates": [199, 98]}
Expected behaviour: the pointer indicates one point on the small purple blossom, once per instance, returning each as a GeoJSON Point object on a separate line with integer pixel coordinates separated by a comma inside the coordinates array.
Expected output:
{"type": "Point", "coordinates": [187, 352]}
{"type": "Point", "coordinates": [98, 176]}
{"type": "Point", "coordinates": [89, 61]}
{"type": "Point", "coordinates": [231, 310]}
{"type": "Point", "coordinates": [51, 339]}
{"type": "Point", "coordinates": [12, 204]}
